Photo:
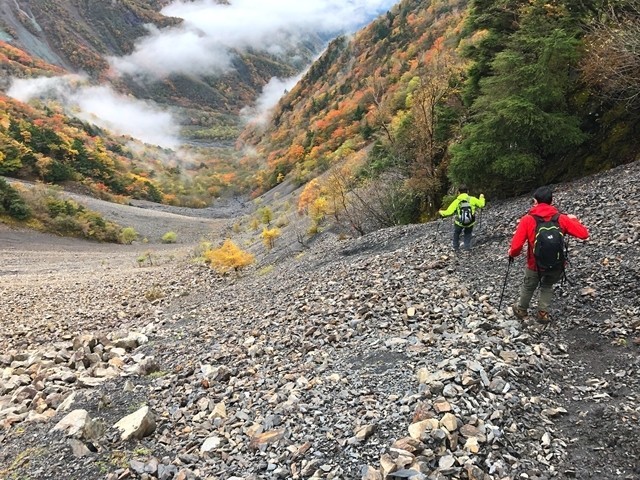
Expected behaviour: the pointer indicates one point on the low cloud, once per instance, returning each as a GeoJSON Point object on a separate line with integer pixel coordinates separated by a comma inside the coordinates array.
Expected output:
{"type": "Point", "coordinates": [271, 93]}
{"type": "Point", "coordinates": [211, 32]}
{"type": "Point", "coordinates": [204, 44]}
{"type": "Point", "coordinates": [102, 106]}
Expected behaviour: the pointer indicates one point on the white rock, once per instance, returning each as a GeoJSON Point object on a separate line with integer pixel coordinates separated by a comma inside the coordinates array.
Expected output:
{"type": "Point", "coordinates": [137, 425]}
{"type": "Point", "coordinates": [211, 443]}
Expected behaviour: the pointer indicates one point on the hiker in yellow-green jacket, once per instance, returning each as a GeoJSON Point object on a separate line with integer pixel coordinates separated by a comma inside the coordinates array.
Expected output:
{"type": "Point", "coordinates": [464, 208]}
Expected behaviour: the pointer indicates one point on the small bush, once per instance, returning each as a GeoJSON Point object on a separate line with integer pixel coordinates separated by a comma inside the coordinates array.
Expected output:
{"type": "Point", "coordinates": [200, 251]}
{"type": "Point", "coordinates": [65, 225]}
{"type": "Point", "coordinates": [145, 258]}
{"type": "Point", "coordinates": [314, 229]}
{"type": "Point", "coordinates": [18, 209]}
{"type": "Point", "coordinates": [154, 293]}
{"type": "Point", "coordinates": [229, 257]}
{"type": "Point", "coordinates": [169, 237]}
{"type": "Point", "coordinates": [282, 222]}
{"type": "Point", "coordinates": [269, 237]}
{"type": "Point", "coordinates": [128, 235]}
{"type": "Point", "coordinates": [12, 203]}
{"type": "Point", "coordinates": [59, 206]}
{"type": "Point", "coordinates": [265, 214]}
{"type": "Point", "coordinates": [266, 270]}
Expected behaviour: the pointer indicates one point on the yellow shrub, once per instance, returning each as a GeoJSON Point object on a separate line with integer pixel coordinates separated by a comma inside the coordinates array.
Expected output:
{"type": "Point", "coordinates": [229, 257]}
{"type": "Point", "coordinates": [269, 236]}
{"type": "Point", "coordinates": [128, 235]}
{"type": "Point", "coordinates": [318, 209]}
{"type": "Point", "coordinates": [169, 237]}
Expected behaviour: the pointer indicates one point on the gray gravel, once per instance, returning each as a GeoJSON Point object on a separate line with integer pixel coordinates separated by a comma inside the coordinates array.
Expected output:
{"type": "Point", "coordinates": [335, 363]}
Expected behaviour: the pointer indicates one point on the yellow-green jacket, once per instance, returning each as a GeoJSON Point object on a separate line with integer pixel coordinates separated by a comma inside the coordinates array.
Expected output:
{"type": "Point", "coordinates": [453, 208]}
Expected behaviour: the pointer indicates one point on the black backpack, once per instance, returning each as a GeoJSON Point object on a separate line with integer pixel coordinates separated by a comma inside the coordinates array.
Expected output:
{"type": "Point", "coordinates": [549, 246]}
{"type": "Point", "coordinates": [466, 216]}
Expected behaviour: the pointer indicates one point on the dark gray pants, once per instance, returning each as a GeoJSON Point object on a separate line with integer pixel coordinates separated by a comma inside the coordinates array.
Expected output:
{"type": "Point", "coordinates": [457, 230]}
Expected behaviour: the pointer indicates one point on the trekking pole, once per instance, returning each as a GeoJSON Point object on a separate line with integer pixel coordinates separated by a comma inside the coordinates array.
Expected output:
{"type": "Point", "coordinates": [505, 282]}
{"type": "Point", "coordinates": [438, 228]}
{"type": "Point", "coordinates": [566, 263]}
{"type": "Point", "coordinates": [474, 240]}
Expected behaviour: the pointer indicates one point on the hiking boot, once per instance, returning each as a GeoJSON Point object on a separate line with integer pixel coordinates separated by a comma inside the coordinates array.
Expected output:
{"type": "Point", "coordinates": [519, 312]}
{"type": "Point", "coordinates": [543, 317]}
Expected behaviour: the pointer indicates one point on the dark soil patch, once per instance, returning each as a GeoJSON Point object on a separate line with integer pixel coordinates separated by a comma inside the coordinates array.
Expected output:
{"type": "Point", "coordinates": [600, 395]}
{"type": "Point", "coordinates": [379, 362]}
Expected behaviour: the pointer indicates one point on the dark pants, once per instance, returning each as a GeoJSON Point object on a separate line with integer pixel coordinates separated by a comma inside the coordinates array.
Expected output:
{"type": "Point", "coordinates": [531, 282]}
{"type": "Point", "coordinates": [457, 230]}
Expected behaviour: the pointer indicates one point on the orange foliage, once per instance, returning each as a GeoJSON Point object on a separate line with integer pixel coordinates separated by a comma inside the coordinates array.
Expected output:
{"type": "Point", "coordinates": [322, 124]}
{"type": "Point", "coordinates": [274, 159]}
{"type": "Point", "coordinates": [314, 153]}
{"type": "Point", "coordinates": [227, 178]}
{"type": "Point", "coordinates": [295, 153]}
{"type": "Point", "coordinates": [338, 133]}
{"type": "Point", "coordinates": [332, 115]}
{"type": "Point", "coordinates": [310, 193]}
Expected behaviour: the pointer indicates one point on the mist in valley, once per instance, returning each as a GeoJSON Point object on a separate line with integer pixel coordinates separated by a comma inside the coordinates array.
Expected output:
{"type": "Point", "coordinates": [203, 44]}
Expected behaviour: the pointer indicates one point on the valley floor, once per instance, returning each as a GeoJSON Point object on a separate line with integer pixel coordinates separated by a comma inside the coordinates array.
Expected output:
{"type": "Point", "coordinates": [378, 357]}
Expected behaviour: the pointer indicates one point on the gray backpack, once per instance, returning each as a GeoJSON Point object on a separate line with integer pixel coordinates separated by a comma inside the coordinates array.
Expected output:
{"type": "Point", "coordinates": [465, 215]}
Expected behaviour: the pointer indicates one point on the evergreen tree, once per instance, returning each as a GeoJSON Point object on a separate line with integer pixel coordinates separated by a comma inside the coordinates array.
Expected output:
{"type": "Point", "coordinates": [494, 21]}
{"type": "Point", "coordinates": [521, 120]}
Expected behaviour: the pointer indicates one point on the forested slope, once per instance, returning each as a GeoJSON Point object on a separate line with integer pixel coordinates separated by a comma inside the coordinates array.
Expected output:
{"type": "Point", "coordinates": [82, 35]}
{"type": "Point", "coordinates": [502, 96]}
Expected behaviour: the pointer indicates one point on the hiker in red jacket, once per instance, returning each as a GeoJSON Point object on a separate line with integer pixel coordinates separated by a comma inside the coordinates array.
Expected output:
{"type": "Point", "coordinates": [542, 213]}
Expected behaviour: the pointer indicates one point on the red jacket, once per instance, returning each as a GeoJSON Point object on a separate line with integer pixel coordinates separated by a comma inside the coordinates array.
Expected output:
{"type": "Point", "coordinates": [527, 228]}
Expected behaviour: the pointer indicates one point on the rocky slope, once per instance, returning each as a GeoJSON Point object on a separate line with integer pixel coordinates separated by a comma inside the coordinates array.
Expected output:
{"type": "Point", "coordinates": [378, 357]}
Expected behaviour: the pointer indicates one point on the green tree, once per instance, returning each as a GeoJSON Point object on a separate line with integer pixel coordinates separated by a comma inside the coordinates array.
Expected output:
{"type": "Point", "coordinates": [12, 203]}
{"type": "Point", "coordinates": [492, 21]}
{"type": "Point", "coordinates": [522, 120]}
{"type": "Point", "coordinates": [266, 215]}
{"type": "Point", "coordinates": [11, 153]}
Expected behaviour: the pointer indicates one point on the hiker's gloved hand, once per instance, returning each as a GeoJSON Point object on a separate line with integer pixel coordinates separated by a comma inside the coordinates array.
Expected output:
{"type": "Point", "coordinates": [441, 213]}
{"type": "Point", "coordinates": [482, 195]}
{"type": "Point", "coordinates": [511, 259]}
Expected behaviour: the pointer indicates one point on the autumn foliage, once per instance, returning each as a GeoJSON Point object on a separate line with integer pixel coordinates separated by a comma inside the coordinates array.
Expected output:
{"type": "Point", "coordinates": [269, 236]}
{"type": "Point", "coordinates": [229, 257]}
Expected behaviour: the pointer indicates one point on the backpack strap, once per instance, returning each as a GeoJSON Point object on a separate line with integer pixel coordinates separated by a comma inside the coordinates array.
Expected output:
{"type": "Point", "coordinates": [539, 219]}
